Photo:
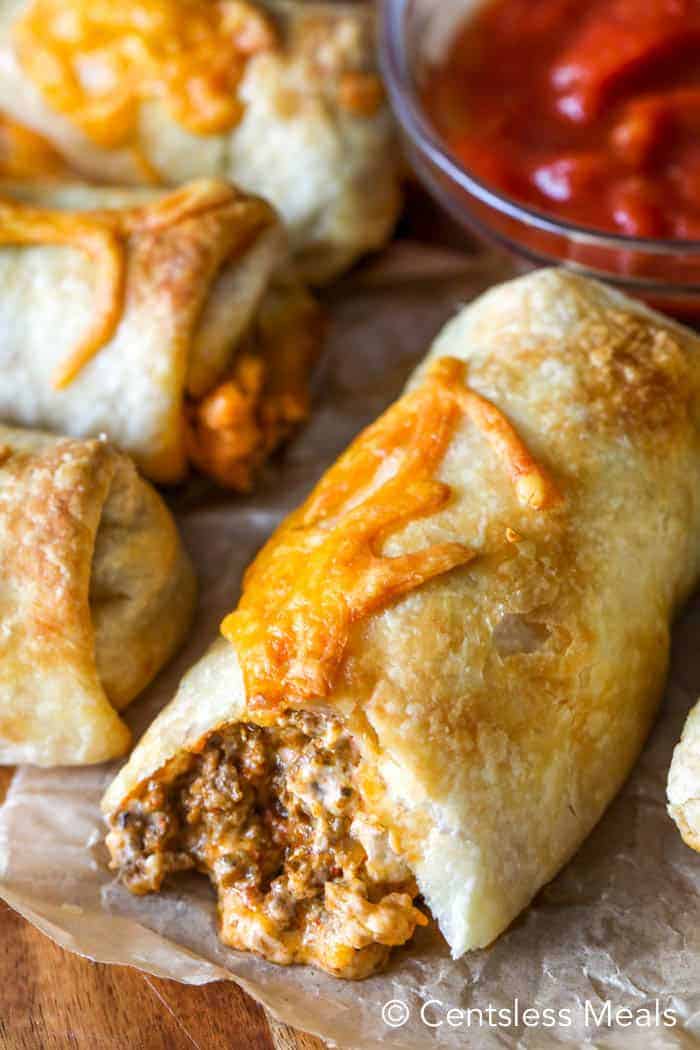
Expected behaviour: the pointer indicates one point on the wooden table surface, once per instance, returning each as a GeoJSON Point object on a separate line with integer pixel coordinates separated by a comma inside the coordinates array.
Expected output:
{"type": "Point", "coordinates": [54, 1000]}
{"type": "Point", "coordinates": [51, 999]}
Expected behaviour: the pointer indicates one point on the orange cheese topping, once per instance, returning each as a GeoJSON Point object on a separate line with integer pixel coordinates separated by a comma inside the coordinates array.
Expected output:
{"type": "Point", "coordinates": [265, 396]}
{"type": "Point", "coordinates": [322, 571]}
{"type": "Point", "coordinates": [24, 154]}
{"type": "Point", "coordinates": [360, 94]}
{"type": "Point", "coordinates": [101, 235]}
{"type": "Point", "coordinates": [95, 61]}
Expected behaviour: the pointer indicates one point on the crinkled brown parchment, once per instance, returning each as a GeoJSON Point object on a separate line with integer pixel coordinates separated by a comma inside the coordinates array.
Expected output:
{"type": "Point", "coordinates": [620, 924]}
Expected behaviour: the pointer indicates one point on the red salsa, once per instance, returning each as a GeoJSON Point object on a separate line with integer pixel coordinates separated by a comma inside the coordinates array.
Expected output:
{"type": "Point", "coordinates": [588, 109]}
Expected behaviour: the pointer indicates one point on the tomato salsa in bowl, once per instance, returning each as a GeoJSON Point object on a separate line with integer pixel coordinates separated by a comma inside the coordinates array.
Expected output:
{"type": "Point", "coordinates": [566, 130]}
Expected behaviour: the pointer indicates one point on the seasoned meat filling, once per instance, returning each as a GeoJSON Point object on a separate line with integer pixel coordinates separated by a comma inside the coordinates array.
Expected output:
{"type": "Point", "coordinates": [273, 817]}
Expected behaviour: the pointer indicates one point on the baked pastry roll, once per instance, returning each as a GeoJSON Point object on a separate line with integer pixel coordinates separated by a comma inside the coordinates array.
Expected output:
{"type": "Point", "coordinates": [162, 319]}
{"type": "Point", "coordinates": [96, 593]}
{"type": "Point", "coordinates": [282, 99]}
{"type": "Point", "coordinates": [444, 664]}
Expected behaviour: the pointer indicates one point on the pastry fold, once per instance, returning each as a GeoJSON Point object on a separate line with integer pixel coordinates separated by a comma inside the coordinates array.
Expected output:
{"type": "Point", "coordinates": [145, 315]}
{"type": "Point", "coordinates": [96, 593]}
{"type": "Point", "coordinates": [443, 666]}
{"type": "Point", "coordinates": [283, 99]}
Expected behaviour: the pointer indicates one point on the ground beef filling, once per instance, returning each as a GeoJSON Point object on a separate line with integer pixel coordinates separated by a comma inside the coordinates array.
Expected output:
{"type": "Point", "coordinates": [273, 817]}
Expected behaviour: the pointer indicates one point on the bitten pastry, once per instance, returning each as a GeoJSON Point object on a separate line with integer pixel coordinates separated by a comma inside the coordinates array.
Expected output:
{"type": "Point", "coordinates": [683, 787]}
{"type": "Point", "coordinates": [444, 664]}
{"type": "Point", "coordinates": [283, 99]}
{"type": "Point", "coordinates": [96, 593]}
{"type": "Point", "coordinates": [162, 319]}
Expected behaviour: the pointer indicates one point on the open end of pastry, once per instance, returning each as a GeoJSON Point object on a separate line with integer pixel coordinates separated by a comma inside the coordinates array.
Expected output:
{"type": "Point", "coordinates": [273, 816]}
{"type": "Point", "coordinates": [265, 395]}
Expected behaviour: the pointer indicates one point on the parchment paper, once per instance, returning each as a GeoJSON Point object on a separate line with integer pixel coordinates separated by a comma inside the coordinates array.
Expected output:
{"type": "Point", "coordinates": [620, 924]}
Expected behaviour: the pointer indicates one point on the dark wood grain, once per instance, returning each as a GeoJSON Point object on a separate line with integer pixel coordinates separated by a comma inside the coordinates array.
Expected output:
{"type": "Point", "coordinates": [53, 1000]}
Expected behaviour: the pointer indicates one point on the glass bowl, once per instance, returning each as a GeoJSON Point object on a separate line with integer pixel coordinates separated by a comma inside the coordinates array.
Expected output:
{"type": "Point", "coordinates": [414, 35]}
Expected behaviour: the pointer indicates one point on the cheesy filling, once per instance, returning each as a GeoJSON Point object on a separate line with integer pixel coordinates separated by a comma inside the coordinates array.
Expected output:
{"type": "Point", "coordinates": [236, 426]}
{"type": "Point", "coordinates": [102, 235]}
{"type": "Point", "coordinates": [274, 818]}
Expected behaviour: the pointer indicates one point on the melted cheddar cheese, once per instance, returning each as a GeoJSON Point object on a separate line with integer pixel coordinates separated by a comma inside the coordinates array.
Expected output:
{"type": "Point", "coordinates": [95, 61]}
{"type": "Point", "coordinates": [101, 235]}
{"type": "Point", "coordinates": [323, 571]}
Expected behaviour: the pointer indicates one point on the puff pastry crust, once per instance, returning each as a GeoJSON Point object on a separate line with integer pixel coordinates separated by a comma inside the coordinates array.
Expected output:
{"type": "Point", "coordinates": [683, 789]}
{"type": "Point", "coordinates": [494, 709]}
{"type": "Point", "coordinates": [308, 126]}
{"type": "Point", "coordinates": [92, 569]}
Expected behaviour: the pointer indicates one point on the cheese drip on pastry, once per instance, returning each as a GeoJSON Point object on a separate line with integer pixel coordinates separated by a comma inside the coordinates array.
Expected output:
{"type": "Point", "coordinates": [101, 235]}
{"type": "Point", "coordinates": [24, 154]}
{"type": "Point", "coordinates": [94, 61]}
{"type": "Point", "coordinates": [264, 397]}
{"type": "Point", "coordinates": [275, 819]}
{"type": "Point", "coordinates": [322, 570]}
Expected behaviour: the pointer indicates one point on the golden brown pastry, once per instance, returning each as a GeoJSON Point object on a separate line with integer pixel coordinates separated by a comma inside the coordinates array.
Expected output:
{"type": "Point", "coordinates": [444, 664]}
{"type": "Point", "coordinates": [96, 593]}
{"type": "Point", "coordinates": [144, 315]}
{"type": "Point", "coordinates": [283, 99]}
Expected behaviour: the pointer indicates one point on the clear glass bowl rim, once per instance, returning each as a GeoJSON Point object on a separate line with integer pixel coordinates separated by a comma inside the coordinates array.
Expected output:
{"type": "Point", "coordinates": [396, 69]}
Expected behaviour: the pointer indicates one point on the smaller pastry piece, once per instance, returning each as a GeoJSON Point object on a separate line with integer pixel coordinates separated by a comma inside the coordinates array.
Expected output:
{"type": "Point", "coordinates": [162, 319]}
{"type": "Point", "coordinates": [96, 593]}
{"type": "Point", "coordinates": [284, 99]}
{"type": "Point", "coordinates": [234, 428]}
